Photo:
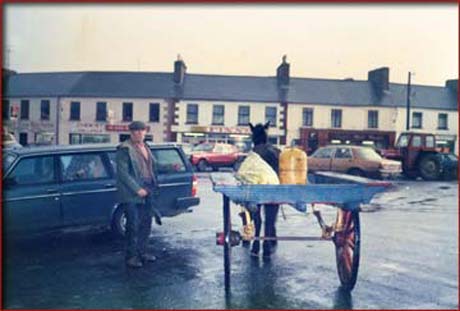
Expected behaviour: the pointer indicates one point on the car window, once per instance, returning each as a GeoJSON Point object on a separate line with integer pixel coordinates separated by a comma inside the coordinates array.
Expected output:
{"type": "Point", "coordinates": [343, 153]}
{"type": "Point", "coordinates": [76, 167]}
{"type": "Point", "coordinates": [368, 154]}
{"type": "Point", "coordinates": [168, 161]}
{"type": "Point", "coordinates": [429, 141]}
{"type": "Point", "coordinates": [8, 159]}
{"type": "Point", "coordinates": [113, 160]}
{"type": "Point", "coordinates": [323, 153]}
{"type": "Point", "coordinates": [416, 141]}
{"type": "Point", "coordinates": [219, 149]}
{"type": "Point", "coordinates": [36, 170]}
{"type": "Point", "coordinates": [203, 147]}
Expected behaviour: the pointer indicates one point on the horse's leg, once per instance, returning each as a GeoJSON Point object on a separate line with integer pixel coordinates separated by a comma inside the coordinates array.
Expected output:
{"type": "Point", "coordinates": [271, 212]}
{"type": "Point", "coordinates": [257, 224]}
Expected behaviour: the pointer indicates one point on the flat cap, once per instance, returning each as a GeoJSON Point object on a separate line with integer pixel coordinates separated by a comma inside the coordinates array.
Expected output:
{"type": "Point", "coordinates": [137, 125]}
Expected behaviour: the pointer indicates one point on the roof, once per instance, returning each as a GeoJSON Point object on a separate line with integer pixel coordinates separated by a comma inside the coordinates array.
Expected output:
{"type": "Point", "coordinates": [224, 88]}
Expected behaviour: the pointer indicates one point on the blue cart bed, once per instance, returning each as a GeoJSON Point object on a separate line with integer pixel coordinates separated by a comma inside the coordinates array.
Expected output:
{"type": "Point", "coordinates": [344, 191]}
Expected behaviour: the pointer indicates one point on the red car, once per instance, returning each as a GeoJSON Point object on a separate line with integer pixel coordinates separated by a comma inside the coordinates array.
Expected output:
{"type": "Point", "coordinates": [215, 155]}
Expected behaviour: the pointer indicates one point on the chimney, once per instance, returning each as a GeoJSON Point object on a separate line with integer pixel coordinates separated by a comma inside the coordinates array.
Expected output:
{"type": "Point", "coordinates": [452, 85]}
{"type": "Point", "coordinates": [379, 78]}
{"type": "Point", "coordinates": [282, 73]}
{"type": "Point", "coordinates": [179, 70]}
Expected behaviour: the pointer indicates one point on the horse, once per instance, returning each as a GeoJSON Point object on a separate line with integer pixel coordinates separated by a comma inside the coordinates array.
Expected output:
{"type": "Point", "coordinates": [270, 154]}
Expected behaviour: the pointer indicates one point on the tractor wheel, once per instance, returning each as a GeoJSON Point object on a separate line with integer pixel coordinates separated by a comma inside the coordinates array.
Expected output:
{"type": "Point", "coordinates": [429, 167]}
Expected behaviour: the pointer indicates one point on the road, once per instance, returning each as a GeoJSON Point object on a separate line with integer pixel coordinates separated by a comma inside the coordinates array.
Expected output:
{"type": "Point", "coordinates": [409, 260]}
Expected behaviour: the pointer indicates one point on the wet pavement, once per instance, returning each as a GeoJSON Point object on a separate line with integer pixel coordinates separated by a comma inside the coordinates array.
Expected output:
{"type": "Point", "coordinates": [409, 260]}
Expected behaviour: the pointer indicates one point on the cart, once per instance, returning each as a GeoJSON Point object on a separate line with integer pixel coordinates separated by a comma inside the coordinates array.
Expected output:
{"type": "Point", "coordinates": [345, 192]}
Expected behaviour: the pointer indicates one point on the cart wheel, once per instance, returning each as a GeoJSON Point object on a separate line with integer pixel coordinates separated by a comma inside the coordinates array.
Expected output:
{"type": "Point", "coordinates": [347, 247]}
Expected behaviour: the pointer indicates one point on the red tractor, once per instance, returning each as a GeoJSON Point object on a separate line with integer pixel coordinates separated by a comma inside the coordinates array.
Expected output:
{"type": "Point", "coordinates": [418, 154]}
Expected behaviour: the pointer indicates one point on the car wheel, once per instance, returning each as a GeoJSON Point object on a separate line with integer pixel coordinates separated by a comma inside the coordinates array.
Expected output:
{"type": "Point", "coordinates": [356, 172]}
{"type": "Point", "coordinates": [202, 165]}
{"type": "Point", "coordinates": [119, 222]}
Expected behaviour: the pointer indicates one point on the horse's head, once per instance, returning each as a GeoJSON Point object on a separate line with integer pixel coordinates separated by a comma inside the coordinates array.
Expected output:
{"type": "Point", "coordinates": [259, 133]}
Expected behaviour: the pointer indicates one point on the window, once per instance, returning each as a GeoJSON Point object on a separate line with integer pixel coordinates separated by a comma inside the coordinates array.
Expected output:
{"type": "Point", "coordinates": [442, 121]}
{"type": "Point", "coordinates": [307, 117]}
{"type": "Point", "coordinates": [101, 111]}
{"type": "Point", "coordinates": [45, 110]}
{"type": "Point", "coordinates": [336, 118]}
{"type": "Point", "coordinates": [6, 109]}
{"type": "Point", "coordinates": [429, 141]}
{"type": "Point", "coordinates": [323, 153]}
{"type": "Point", "coordinates": [29, 171]}
{"type": "Point", "coordinates": [75, 139]}
{"type": "Point", "coordinates": [24, 109]}
{"type": "Point", "coordinates": [23, 139]}
{"type": "Point", "coordinates": [218, 112]}
{"type": "Point", "coordinates": [192, 114]}
{"type": "Point", "coordinates": [372, 119]}
{"type": "Point", "coordinates": [75, 111]}
{"type": "Point", "coordinates": [168, 161]}
{"type": "Point", "coordinates": [78, 167]}
{"type": "Point", "coordinates": [243, 115]}
{"type": "Point", "coordinates": [343, 153]}
{"type": "Point", "coordinates": [417, 120]}
{"type": "Point", "coordinates": [127, 112]}
{"type": "Point", "coordinates": [270, 115]}
{"type": "Point", "coordinates": [154, 112]}
{"type": "Point", "coordinates": [416, 141]}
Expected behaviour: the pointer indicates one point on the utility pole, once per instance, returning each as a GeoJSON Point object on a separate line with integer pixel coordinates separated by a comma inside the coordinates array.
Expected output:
{"type": "Point", "coordinates": [408, 102]}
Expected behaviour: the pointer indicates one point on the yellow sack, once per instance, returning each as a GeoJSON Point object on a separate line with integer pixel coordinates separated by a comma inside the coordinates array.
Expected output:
{"type": "Point", "coordinates": [254, 170]}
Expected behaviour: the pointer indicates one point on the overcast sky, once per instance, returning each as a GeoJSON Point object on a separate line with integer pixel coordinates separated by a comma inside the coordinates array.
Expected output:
{"type": "Point", "coordinates": [320, 41]}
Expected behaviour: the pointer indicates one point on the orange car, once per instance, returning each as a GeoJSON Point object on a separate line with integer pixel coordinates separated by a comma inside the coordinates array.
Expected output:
{"type": "Point", "coordinates": [354, 160]}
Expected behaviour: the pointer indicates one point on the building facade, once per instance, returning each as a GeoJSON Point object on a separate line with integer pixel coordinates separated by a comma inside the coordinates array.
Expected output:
{"type": "Point", "coordinates": [85, 107]}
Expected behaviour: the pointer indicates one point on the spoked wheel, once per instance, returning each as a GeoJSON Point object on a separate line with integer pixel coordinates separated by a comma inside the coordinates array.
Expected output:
{"type": "Point", "coordinates": [347, 248]}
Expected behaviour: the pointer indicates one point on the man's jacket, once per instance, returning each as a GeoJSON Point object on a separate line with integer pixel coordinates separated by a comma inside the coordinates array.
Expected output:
{"type": "Point", "coordinates": [129, 177]}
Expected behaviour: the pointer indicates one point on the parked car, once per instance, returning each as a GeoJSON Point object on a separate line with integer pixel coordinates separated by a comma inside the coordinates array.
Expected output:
{"type": "Point", "coordinates": [58, 187]}
{"type": "Point", "coordinates": [354, 160]}
{"type": "Point", "coordinates": [449, 164]}
{"type": "Point", "coordinates": [215, 155]}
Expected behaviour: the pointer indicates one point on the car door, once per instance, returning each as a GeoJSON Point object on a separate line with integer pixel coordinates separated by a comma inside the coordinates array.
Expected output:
{"type": "Point", "coordinates": [174, 179]}
{"type": "Point", "coordinates": [31, 198]}
{"type": "Point", "coordinates": [321, 160]}
{"type": "Point", "coordinates": [88, 188]}
{"type": "Point", "coordinates": [343, 160]}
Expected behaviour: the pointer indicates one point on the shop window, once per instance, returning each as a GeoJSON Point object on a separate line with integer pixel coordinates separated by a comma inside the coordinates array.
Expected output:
{"type": "Point", "coordinates": [336, 118]}
{"type": "Point", "coordinates": [45, 110]}
{"type": "Point", "coordinates": [101, 111]}
{"type": "Point", "coordinates": [127, 112]}
{"type": "Point", "coordinates": [23, 139]}
{"type": "Point", "coordinates": [75, 139]}
{"type": "Point", "coordinates": [218, 112]}
{"type": "Point", "coordinates": [154, 112]}
{"type": "Point", "coordinates": [243, 115]}
{"type": "Point", "coordinates": [417, 120]}
{"type": "Point", "coordinates": [270, 115]}
{"type": "Point", "coordinates": [373, 119]}
{"type": "Point", "coordinates": [307, 117]}
{"type": "Point", "coordinates": [75, 111]}
{"type": "Point", "coordinates": [25, 109]}
{"type": "Point", "coordinates": [192, 114]}
{"type": "Point", "coordinates": [442, 121]}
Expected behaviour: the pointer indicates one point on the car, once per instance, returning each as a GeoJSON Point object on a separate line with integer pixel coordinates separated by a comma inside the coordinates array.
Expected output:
{"type": "Point", "coordinates": [449, 165]}
{"type": "Point", "coordinates": [56, 187]}
{"type": "Point", "coordinates": [354, 160]}
{"type": "Point", "coordinates": [207, 156]}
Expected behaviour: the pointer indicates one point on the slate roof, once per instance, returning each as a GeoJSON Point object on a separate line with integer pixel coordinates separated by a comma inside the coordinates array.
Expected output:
{"type": "Point", "coordinates": [223, 88]}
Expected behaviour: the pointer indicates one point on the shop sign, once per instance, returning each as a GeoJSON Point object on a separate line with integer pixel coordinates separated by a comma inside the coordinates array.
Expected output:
{"type": "Point", "coordinates": [120, 128]}
{"type": "Point", "coordinates": [221, 129]}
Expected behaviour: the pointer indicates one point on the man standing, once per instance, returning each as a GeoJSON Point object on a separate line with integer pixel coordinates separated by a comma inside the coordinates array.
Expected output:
{"type": "Point", "coordinates": [136, 183]}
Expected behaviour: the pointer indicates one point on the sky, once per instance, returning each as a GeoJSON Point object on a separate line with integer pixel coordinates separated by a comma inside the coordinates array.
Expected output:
{"type": "Point", "coordinates": [326, 41]}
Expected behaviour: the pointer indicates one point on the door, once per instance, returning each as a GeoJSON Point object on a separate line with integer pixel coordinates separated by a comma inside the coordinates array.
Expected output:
{"type": "Point", "coordinates": [88, 188]}
{"type": "Point", "coordinates": [343, 160]}
{"type": "Point", "coordinates": [174, 179]}
{"type": "Point", "coordinates": [321, 160]}
{"type": "Point", "coordinates": [31, 199]}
